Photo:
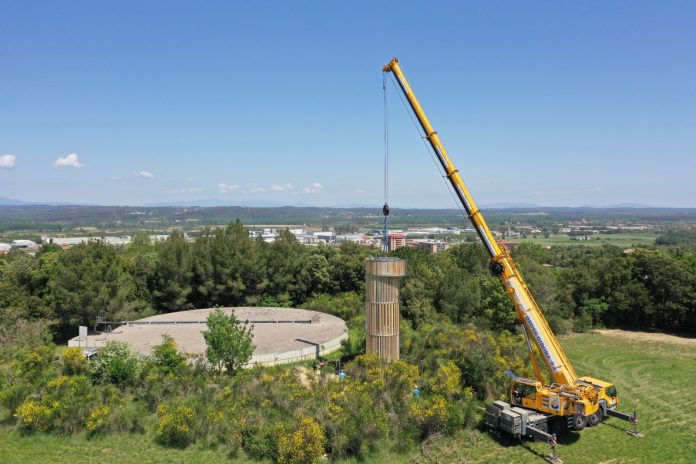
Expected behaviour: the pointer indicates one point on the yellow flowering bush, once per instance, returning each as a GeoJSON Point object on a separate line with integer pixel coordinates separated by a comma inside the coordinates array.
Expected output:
{"type": "Point", "coordinates": [357, 417]}
{"type": "Point", "coordinates": [63, 406]}
{"type": "Point", "coordinates": [431, 414]}
{"type": "Point", "coordinates": [38, 363]}
{"type": "Point", "coordinates": [74, 361]}
{"type": "Point", "coordinates": [448, 379]}
{"type": "Point", "coordinates": [98, 418]}
{"type": "Point", "coordinates": [303, 446]}
{"type": "Point", "coordinates": [34, 416]}
{"type": "Point", "coordinates": [175, 425]}
{"type": "Point", "coordinates": [40, 357]}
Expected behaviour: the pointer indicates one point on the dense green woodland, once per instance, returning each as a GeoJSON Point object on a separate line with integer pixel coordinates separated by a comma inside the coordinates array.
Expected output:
{"type": "Point", "coordinates": [577, 287]}
{"type": "Point", "coordinates": [458, 337]}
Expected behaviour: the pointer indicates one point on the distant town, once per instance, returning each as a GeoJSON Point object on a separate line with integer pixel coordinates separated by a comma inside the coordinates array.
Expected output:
{"type": "Point", "coordinates": [428, 230]}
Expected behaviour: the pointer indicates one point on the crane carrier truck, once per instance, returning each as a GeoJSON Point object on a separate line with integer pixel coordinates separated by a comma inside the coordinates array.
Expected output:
{"type": "Point", "coordinates": [535, 409]}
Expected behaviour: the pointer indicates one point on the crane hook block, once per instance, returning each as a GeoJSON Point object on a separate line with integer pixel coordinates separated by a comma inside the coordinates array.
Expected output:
{"type": "Point", "coordinates": [496, 268]}
{"type": "Point", "coordinates": [385, 209]}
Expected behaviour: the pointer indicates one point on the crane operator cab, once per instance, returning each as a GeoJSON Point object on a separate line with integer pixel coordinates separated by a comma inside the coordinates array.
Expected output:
{"type": "Point", "coordinates": [524, 393]}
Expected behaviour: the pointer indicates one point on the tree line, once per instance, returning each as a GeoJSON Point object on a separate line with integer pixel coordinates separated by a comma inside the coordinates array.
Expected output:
{"type": "Point", "coordinates": [577, 287]}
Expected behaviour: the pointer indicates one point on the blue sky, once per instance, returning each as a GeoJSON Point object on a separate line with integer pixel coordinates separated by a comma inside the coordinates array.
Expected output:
{"type": "Point", "coordinates": [552, 103]}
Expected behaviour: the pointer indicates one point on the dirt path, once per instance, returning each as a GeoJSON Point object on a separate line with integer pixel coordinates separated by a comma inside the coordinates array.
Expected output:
{"type": "Point", "coordinates": [648, 336]}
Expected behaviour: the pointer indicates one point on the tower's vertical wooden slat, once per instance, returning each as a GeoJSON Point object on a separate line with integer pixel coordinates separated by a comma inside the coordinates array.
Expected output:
{"type": "Point", "coordinates": [383, 277]}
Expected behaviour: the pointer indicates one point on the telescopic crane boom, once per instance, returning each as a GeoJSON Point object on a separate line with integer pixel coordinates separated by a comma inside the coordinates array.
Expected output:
{"type": "Point", "coordinates": [502, 264]}
{"type": "Point", "coordinates": [576, 398]}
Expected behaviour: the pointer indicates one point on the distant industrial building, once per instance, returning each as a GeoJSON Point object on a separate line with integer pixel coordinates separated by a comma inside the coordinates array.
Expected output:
{"type": "Point", "coordinates": [69, 242]}
{"type": "Point", "coordinates": [24, 244]}
{"type": "Point", "coordinates": [325, 236]}
{"type": "Point", "coordinates": [5, 248]}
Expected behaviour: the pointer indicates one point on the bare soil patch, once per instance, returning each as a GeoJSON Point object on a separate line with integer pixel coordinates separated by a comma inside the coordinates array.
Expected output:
{"type": "Point", "coordinates": [648, 336]}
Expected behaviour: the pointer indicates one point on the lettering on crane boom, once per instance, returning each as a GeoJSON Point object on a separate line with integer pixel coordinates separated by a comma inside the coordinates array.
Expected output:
{"type": "Point", "coordinates": [542, 345]}
{"type": "Point", "coordinates": [531, 323]}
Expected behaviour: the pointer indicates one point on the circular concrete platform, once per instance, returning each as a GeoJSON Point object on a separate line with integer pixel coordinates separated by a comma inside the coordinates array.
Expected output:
{"type": "Point", "coordinates": [280, 335]}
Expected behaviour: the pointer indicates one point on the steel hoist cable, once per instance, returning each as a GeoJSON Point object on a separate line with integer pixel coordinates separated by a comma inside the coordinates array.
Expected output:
{"type": "Point", "coordinates": [427, 147]}
{"type": "Point", "coordinates": [385, 208]}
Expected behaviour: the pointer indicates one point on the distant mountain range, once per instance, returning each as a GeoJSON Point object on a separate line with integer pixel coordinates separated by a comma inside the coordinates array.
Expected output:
{"type": "Point", "coordinates": [14, 202]}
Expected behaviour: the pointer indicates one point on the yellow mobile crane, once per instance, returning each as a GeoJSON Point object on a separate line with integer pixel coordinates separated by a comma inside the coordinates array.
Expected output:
{"type": "Point", "coordinates": [534, 409]}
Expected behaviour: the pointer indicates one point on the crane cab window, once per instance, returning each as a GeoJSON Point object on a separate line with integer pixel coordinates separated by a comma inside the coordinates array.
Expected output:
{"type": "Point", "coordinates": [523, 391]}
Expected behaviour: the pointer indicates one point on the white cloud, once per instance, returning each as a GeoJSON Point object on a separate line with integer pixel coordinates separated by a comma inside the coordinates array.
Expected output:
{"type": "Point", "coordinates": [255, 190]}
{"type": "Point", "coordinates": [144, 174]}
{"type": "Point", "coordinates": [186, 190]}
{"type": "Point", "coordinates": [7, 161]}
{"type": "Point", "coordinates": [224, 188]}
{"type": "Point", "coordinates": [115, 178]}
{"type": "Point", "coordinates": [71, 160]}
{"type": "Point", "coordinates": [359, 190]}
{"type": "Point", "coordinates": [316, 187]}
{"type": "Point", "coordinates": [281, 188]}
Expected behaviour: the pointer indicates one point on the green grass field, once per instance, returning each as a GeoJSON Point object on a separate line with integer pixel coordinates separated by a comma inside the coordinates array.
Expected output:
{"type": "Point", "coordinates": [620, 240]}
{"type": "Point", "coordinates": [658, 379]}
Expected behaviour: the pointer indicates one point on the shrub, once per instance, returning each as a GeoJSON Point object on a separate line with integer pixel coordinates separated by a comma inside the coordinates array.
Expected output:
{"type": "Point", "coordinates": [166, 357]}
{"type": "Point", "coordinates": [34, 416]}
{"type": "Point", "coordinates": [261, 441]}
{"type": "Point", "coordinates": [98, 419]}
{"type": "Point", "coordinates": [258, 445]}
{"type": "Point", "coordinates": [117, 364]}
{"type": "Point", "coordinates": [431, 414]}
{"type": "Point", "coordinates": [448, 379]}
{"type": "Point", "coordinates": [304, 446]}
{"type": "Point", "coordinates": [357, 420]}
{"type": "Point", "coordinates": [11, 396]}
{"type": "Point", "coordinates": [70, 399]}
{"type": "Point", "coordinates": [117, 413]}
{"type": "Point", "coordinates": [38, 363]}
{"type": "Point", "coordinates": [175, 426]}
{"type": "Point", "coordinates": [74, 361]}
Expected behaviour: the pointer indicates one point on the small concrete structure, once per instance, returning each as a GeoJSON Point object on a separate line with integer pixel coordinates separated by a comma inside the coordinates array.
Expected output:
{"type": "Point", "coordinates": [281, 335]}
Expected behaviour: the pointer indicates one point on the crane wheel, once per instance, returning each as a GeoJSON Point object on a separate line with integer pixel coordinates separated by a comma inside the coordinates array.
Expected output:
{"type": "Point", "coordinates": [557, 426]}
{"type": "Point", "coordinates": [596, 418]}
{"type": "Point", "coordinates": [579, 422]}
